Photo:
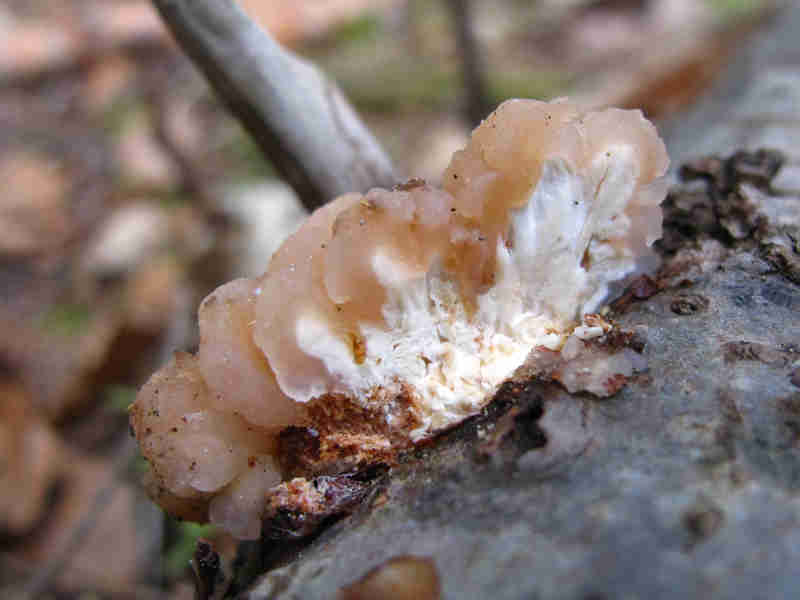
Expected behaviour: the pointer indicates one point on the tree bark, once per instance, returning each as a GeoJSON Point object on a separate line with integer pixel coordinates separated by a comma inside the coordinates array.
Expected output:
{"type": "Point", "coordinates": [299, 117]}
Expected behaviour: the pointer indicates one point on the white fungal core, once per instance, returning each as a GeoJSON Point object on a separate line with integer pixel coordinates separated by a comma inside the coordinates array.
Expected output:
{"type": "Point", "coordinates": [411, 305]}
{"type": "Point", "coordinates": [453, 360]}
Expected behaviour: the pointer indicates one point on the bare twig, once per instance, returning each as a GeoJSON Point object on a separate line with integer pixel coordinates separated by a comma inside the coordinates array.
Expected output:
{"type": "Point", "coordinates": [299, 118]}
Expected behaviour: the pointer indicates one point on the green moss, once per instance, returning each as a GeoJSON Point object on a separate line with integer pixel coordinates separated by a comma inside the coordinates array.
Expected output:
{"type": "Point", "coordinates": [66, 320]}
{"type": "Point", "coordinates": [139, 466]}
{"type": "Point", "coordinates": [178, 556]}
{"type": "Point", "coordinates": [395, 87]}
{"type": "Point", "coordinates": [120, 112]}
{"type": "Point", "coordinates": [540, 85]}
{"type": "Point", "coordinates": [730, 10]}
{"type": "Point", "coordinates": [400, 87]}
{"type": "Point", "coordinates": [117, 398]}
{"type": "Point", "coordinates": [358, 30]}
{"type": "Point", "coordinates": [168, 199]}
{"type": "Point", "coordinates": [246, 158]}
{"type": "Point", "coordinates": [379, 71]}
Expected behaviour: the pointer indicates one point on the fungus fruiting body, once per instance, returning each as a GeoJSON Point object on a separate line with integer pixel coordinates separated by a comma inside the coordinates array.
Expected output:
{"type": "Point", "coordinates": [392, 315]}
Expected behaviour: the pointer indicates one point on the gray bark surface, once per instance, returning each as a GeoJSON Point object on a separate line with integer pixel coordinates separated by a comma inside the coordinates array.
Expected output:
{"type": "Point", "coordinates": [298, 116]}
{"type": "Point", "coordinates": [686, 483]}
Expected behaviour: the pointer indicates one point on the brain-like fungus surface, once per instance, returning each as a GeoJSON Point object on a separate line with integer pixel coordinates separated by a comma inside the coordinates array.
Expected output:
{"type": "Point", "coordinates": [392, 315]}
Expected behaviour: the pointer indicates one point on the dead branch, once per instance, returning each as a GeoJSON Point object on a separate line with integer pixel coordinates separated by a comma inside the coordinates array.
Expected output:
{"type": "Point", "coordinates": [298, 116]}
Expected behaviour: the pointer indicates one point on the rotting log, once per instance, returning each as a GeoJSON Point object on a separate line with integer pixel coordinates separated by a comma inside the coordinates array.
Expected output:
{"type": "Point", "coordinates": [672, 486]}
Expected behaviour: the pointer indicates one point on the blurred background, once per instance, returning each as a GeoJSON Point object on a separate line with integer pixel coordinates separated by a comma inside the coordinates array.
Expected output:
{"type": "Point", "coordinates": [127, 193]}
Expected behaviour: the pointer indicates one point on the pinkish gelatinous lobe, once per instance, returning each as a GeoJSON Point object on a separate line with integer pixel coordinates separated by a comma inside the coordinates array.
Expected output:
{"type": "Point", "coordinates": [391, 315]}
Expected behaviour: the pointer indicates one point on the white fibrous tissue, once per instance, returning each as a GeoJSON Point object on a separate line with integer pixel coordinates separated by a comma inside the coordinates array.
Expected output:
{"type": "Point", "coordinates": [392, 315]}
